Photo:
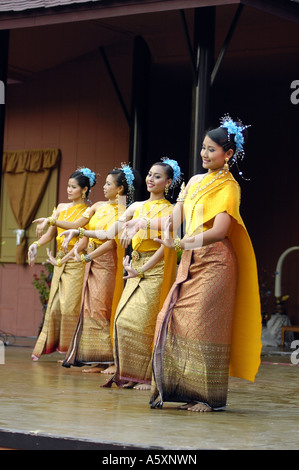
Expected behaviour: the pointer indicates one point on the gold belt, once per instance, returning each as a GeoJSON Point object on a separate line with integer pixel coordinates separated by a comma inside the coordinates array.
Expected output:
{"type": "Point", "coordinates": [139, 254]}
{"type": "Point", "coordinates": [92, 245]}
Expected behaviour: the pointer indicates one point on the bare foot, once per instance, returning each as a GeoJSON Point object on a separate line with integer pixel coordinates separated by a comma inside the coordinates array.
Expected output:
{"type": "Point", "coordinates": [93, 370]}
{"type": "Point", "coordinates": [186, 406]}
{"type": "Point", "coordinates": [194, 406]}
{"type": "Point", "coordinates": [200, 407]}
{"type": "Point", "coordinates": [129, 385]}
{"type": "Point", "coordinates": [110, 370]}
{"type": "Point", "coordinates": [142, 387]}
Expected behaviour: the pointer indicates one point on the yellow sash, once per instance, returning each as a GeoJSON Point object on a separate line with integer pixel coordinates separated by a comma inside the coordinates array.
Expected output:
{"type": "Point", "coordinates": [222, 194]}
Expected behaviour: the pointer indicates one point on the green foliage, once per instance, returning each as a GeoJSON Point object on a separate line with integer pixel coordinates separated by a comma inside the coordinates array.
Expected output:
{"type": "Point", "coordinates": [42, 283]}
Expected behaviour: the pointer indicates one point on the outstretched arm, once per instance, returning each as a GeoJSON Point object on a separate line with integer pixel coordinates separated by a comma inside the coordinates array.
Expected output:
{"type": "Point", "coordinates": [101, 250]}
{"type": "Point", "coordinates": [43, 222]}
{"type": "Point", "coordinates": [81, 245]}
{"type": "Point", "coordinates": [43, 240]}
{"type": "Point", "coordinates": [217, 233]}
{"type": "Point", "coordinates": [109, 234]}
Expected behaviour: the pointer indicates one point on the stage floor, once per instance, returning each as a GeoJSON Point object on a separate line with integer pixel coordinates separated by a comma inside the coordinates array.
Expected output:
{"type": "Point", "coordinates": [46, 406]}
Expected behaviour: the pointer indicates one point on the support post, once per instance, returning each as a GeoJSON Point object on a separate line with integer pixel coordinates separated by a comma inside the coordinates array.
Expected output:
{"type": "Point", "coordinates": [204, 34]}
{"type": "Point", "coordinates": [115, 85]}
{"type": "Point", "coordinates": [226, 42]}
{"type": "Point", "coordinates": [139, 106]}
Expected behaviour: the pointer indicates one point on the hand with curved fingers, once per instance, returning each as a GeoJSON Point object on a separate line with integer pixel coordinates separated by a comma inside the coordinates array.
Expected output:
{"type": "Point", "coordinates": [32, 254]}
{"type": "Point", "coordinates": [68, 235]}
{"type": "Point", "coordinates": [51, 259]}
{"type": "Point", "coordinates": [130, 229]}
{"type": "Point", "coordinates": [76, 256]}
{"type": "Point", "coordinates": [167, 239]}
{"type": "Point", "coordinates": [125, 238]}
{"type": "Point", "coordinates": [42, 223]}
{"type": "Point", "coordinates": [127, 264]}
{"type": "Point", "coordinates": [139, 224]}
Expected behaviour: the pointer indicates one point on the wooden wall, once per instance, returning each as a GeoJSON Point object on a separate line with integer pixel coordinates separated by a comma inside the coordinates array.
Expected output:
{"type": "Point", "coordinates": [73, 108]}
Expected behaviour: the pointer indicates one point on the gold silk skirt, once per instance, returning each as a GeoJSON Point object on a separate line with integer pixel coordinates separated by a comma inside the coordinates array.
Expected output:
{"type": "Point", "coordinates": [193, 334]}
{"type": "Point", "coordinates": [135, 322]}
{"type": "Point", "coordinates": [91, 342]}
{"type": "Point", "coordinates": [62, 310]}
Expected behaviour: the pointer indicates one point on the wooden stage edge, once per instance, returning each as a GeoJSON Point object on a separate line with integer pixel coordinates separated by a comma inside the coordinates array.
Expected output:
{"type": "Point", "coordinates": [19, 440]}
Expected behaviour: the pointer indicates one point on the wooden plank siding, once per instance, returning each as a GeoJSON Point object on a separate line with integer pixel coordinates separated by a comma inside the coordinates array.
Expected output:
{"type": "Point", "coordinates": [76, 110]}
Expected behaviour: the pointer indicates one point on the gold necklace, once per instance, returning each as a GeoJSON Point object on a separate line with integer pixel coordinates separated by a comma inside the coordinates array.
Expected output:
{"type": "Point", "coordinates": [198, 191]}
{"type": "Point", "coordinates": [104, 211]}
{"type": "Point", "coordinates": [198, 188]}
{"type": "Point", "coordinates": [69, 216]}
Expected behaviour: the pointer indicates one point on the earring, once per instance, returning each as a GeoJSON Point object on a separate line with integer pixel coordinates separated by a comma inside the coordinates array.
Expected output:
{"type": "Point", "coordinates": [226, 167]}
{"type": "Point", "coordinates": [166, 189]}
{"type": "Point", "coordinates": [83, 195]}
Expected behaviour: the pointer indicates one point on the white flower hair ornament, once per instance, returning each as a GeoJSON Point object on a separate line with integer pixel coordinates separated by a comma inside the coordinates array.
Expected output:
{"type": "Point", "coordinates": [177, 174]}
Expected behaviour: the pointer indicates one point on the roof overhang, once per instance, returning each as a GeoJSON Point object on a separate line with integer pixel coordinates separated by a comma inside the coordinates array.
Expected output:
{"type": "Point", "coordinates": [25, 13]}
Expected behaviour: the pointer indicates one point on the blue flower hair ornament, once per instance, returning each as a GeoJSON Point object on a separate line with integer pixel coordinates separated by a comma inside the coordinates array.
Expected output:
{"type": "Point", "coordinates": [235, 129]}
{"type": "Point", "coordinates": [89, 174]}
{"type": "Point", "coordinates": [129, 175]}
{"type": "Point", "coordinates": [177, 174]}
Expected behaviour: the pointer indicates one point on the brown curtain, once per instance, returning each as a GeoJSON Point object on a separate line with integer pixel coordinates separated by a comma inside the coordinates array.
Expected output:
{"type": "Point", "coordinates": [26, 174]}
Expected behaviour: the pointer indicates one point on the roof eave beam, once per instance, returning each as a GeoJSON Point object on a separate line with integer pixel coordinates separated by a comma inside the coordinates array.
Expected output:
{"type": "Point", "coordinates": [226, 43]}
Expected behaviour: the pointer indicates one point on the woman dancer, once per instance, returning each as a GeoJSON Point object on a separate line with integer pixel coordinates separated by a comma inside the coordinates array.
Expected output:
{"type": "Point", "coordinates": [150, 276]}
{"type": "Point", "coordinates": [210, 324]}
{"type": "Point", "coordinates": [66, 287]}
{"type": "Point", "coordinates": [103, 283]}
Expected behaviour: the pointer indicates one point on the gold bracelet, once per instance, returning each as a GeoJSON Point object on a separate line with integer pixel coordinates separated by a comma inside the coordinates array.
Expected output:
{"type": "Point", "coordinates": [83, 260]}
{"type": "Point", "coordinates": [140, 273]}
{"type": "Point", "coordinates": [177, 244]}
{"type": "Point", "coordinates": [81, 232]}
{"type": "Point", "coordinates": [51, 220]}
{"type": "Point", "coordinates": [37, 244]}
{"type": "Point", "coordinates": [59, 262]}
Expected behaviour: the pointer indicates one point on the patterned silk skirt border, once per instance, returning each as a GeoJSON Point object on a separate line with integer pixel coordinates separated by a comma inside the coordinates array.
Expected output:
{"type": "Point", "coordinates": [62, 311]}
{"type": "Point", "coordinates": [134, 326]}
{"type": "Point", "coordinates": [193, 333]}
{"type": "Point", "coordinates": [92, 339]}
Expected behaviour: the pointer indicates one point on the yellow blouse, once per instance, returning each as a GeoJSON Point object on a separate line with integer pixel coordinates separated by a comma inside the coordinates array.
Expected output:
{"type": "Point", "coordinates": [71, 214]}
{"type": "Point", "coordinates": [105, 216]}
{"type": "Point", "coordinates": [218, 193]}
{"type": "Point", "coordinates": [143, 240]}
